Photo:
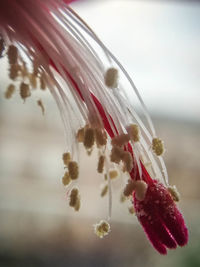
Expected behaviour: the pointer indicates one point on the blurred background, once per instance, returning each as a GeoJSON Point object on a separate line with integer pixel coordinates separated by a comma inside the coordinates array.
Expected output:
{"type": "Point", "coordinates": [158, 43]}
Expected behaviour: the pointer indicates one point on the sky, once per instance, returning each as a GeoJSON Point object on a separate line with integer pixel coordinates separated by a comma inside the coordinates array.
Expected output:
{"type": "Point", "coordinates": [158, 44]}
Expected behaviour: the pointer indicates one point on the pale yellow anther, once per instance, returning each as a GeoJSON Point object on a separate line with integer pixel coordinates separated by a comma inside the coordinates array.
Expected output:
{"type": "Point", "coordinates": [174, 193]}
{"type": "Point", "coordinates": [140, 190]}
{"type": "Point", "coordinates": [35, 68]}
{"type": "Point", "coordinates": [113, 174]}
{"type": "Point", "coordinates": [100, 137]}
{"type": "Point", "coordinates": [12, 54]}
{"type": "Point", "coordinates": [100, 166]}
{"type": "Point", "coordinates": [102, 228]}
{"type": "Point", "coordinates": [24, 91]}
{"type": "Point", "coordinates": [134, 132]}
{"type": "Point", "coordinates": [73, 170]}
{"type": "Point", "coordinates": [33, 80]}
{"type": "Point", "coordinates": [128, 161]}
{"type": "Point", "coordinates": [41, 105]}
{"type": "Point", "coordinates": [111, 78]}
{"type": "Point", "coordinates": [66, 158]}
{"type": "Point", "coordinates": [104, 190]}
{"type": "Point", "coordinates": [42, 82]}
{"type": "Point", "coordinates": [157, 146]}
{"type": "Point", "coordinates": [130, 187]}
{"type": "Point", "coordinates": [66, 180]}
{"type": "Point", "coordinates": [24, 70]}
{"type": "Point", "coordinates": [120, 140]}
{"type": "Point", "coordinates": [9, 91]}
{"type": "Point", "coordinates": [14, 71]}
{"type": "Point", "coordinates": [88, 138]}
{"type": "Point", "coordinates": [131, 210]}
{"type": "Point", "coordinates": [116, 154]}
{"type": "Point", "coordinates": [80, 135]}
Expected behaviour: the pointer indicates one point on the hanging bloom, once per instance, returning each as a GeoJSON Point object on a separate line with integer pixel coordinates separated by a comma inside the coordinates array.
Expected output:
{"type": "Point", "coordinates": [49, 45]}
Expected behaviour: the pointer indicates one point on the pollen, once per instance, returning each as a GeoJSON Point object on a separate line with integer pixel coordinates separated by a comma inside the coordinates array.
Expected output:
{"type": "Point", "coordinates": [100, 137]}
{"type": "Point", "coordinates": [41, 105]}
{"type": "Point", "coordinates": [174, 193]}
{"type": "Point", "coordinates": [12, 54]}
{"type": "Point", "coordinates": [130, 187]}
{"type": "Point", "coordinates": [24, 91]}
{"type": "Point", "coordinates": [104, 190]}
{"type": "Point", "coordinates": [66, 158]}
{"type": "Point", "coordinates": [111, 78]}
{"type": "Point", "coordinates": [100, 166]}
{"type": "Point", "coordinates": [128, 161]}
{"type": "Point", "coordinates": [73, 170]}
{"type": "Point", "coordinates": [66, 179]}
{"type": "Point", "coordinates": [113, 174]}
{"type": "Point", "coordinates": [9, 91]}
{"type": "Point", "coordinates": [133, 131]}
{"type": "Point", "coordinates": [116, 154]}
{"type": "Point", "coordinates": [140, 190]}
{"type": "Point", "coordinates": [89, 138]}
{"type": "Point", "coordinates": [120, 140]}
{"type": "Point", "coordinates": [102, 228]}
{"type": "Point", "coordinates": [158, 146]}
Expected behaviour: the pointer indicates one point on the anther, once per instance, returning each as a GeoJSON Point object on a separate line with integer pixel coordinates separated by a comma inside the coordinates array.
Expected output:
{"type": "Point", "coordinates": [100, 137]}
{"type": "Point", "coordinates": [120, 140]}
{"type": "Point", "coordinates": [104, 190]}
{"type": "Point", "coordinates": [130, 187]}
{"type": "Point", "coordinates": [128, 161]}
{"type": "Point", "coordinates": [73, 170]}
{"type": "Point", "coordinates": [157, 146]}
{"type": "Point", "coordinates": [111, 78]}
{"type": "Point", "coordinates": [113, 174]}
{"type": "Point", "coordinates": [40, 104]}
{"type": "Point", "coordinates": [116, 154]}
{"type": "Point", "coordinates": [101, 164]}
{"type": "Point", "coordinates": [102, 228]}
{"type": "Point", "coordinates": [42, 82]}
{"type": "Point", "coordinates": [74, 199]}
{"type": "Point", "coordinates": [33, 80]}
{"type": "Point", "coordinates": [133, 131]}
{"type": "Point", "coordinates": [24, 91]}
{"type": "Point", "coordinates": [2, 47]}
{"type": "Point", "coordinates": [14, 71]}
{"type": "Point", "coordinates": [9, 91]}
{"type": "Point", "coordinates": [12, 54]}
{"type": "Point", "coordinates": [174, 193]}
{"type": "Point", "coordinates": [66, 158]}
{"type": "Point", "coordinates": [131, 210]}
{"type": "Point", "coordinates": [66, 179]}
{"type": "Point", "coordinates": [140, 190]}
{"type": "Point", "coordinates": [89, 138]}
{"type": "Point", "coordinates": [80, 135]}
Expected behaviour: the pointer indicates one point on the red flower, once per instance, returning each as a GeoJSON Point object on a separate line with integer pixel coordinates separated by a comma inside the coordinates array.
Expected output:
{"type": "Point", "coordinates": [160, 218]}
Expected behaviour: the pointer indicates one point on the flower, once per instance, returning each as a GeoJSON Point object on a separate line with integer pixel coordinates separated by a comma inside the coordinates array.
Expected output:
{"type": "Point", "coordinates": [46, 42]}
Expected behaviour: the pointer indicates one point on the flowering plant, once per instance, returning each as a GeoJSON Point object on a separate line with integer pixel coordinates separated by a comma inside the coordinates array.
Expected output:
{"type": "Point", "coordinates": [47, 42]}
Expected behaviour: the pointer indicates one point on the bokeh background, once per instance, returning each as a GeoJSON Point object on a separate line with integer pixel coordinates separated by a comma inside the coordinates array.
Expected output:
{"type": "Point", "coordinates": [158, 43]}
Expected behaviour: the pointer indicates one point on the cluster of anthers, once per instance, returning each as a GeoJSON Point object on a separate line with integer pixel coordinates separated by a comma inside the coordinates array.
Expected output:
{"type": "Point", "coordinates": [48, 43]}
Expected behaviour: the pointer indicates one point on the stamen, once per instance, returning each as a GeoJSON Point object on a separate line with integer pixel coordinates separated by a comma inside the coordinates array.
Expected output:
{"type": "Point", "coordinates": [102, 228]}
{"type": "Point", "coordinates": [100, 137]}
{"type": "Point", "coordinates": [12, 54]}
{"type": "Point", "coordinates": [66, 158]}
{"type": "Point", "coordinates": [9, 91]}
{"type": "Point", "coordinates": [66, 180]}
{"type": "Point", "coordinates": [116, 154]}
{"type": "Point", "coordinates": [140, 190]}
{"type": "Point", "coordinates": [157, 146]}
{"type": "Point", "coordinates": [120, 140]}
{"type": "Point", "coordinates": [42, 82]}
{"type": "Point", "coordinates": [174, 193]}
{"type": "Point", "coordinates": [133, 131]}
{"type": "Point", "coordinates": [24, 91]}
{"type": "Point", "coordinates": [74, 199]}
{"type": "Point", "coordinates": [104, 190]}
{"type": "Point", "coordinates": [101, 164]}
{"type": "Point", "coordinates": [80, 135]}
{"type": "Point", "coordinates": [2, 47]}
{"type": "Point", "coordinates": [131, 210]}
{"type": "Point", "coordinates": [111, 78]}
{"type": "Point", "coordinates": [130, 187]}
{"type": "Point", "coordinates": [128, 161]}
{"type": "Point", "coordinates": [113, 174]}
{"type": "Point", "coordinates": [73, 170]}
{"type": "Point", "coordinates": [89, 138]}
